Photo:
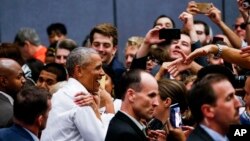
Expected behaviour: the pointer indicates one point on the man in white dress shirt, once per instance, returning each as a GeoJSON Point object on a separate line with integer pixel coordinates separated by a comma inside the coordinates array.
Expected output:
{"type": "Point", "coordinates": [68, 121]}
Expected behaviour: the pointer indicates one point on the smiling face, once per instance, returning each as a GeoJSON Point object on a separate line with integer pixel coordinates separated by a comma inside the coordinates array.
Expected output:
{"type": "Point", "coordinates": [104, 46]}
{"type": "Point", "coordinates": [91, 74]}
{"type": "Point", "coordinates": [183, 44]}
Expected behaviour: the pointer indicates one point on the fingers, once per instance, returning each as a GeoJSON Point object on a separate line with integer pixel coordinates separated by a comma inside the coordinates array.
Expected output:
{"type": "Point", "coordinates": [84, 100]}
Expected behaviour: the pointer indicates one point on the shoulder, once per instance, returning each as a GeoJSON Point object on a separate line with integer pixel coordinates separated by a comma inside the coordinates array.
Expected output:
{"type": "Point", "coordinates": [199, 134]}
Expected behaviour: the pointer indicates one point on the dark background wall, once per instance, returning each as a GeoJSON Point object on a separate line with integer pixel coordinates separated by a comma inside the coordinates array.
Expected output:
{"type": "Point", "coordinates": [132, 17]}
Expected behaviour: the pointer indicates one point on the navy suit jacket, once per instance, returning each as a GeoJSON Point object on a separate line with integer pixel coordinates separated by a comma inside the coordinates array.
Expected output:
{"type": "Point", "coordinates": [199, 134]}
{"type": "Point", "coordinates": [15, 133]}
{"type": "Point", "coordinates": [6, 112]}
{"type": "Point", "coordinates": [122, 128]}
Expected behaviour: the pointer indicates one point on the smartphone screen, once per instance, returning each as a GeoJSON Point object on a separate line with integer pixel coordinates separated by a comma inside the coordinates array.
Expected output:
{"type": "Point", "coordinates": [175, 115]}
{"type": "Point", "coordinates": [169, 34]}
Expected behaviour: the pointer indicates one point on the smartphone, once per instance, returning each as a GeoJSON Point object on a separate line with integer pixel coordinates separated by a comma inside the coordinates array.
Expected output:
{"type": "Point", "coordinates": [217, 40]}
{"type": "Point", "coordinates": [175, 115]}
{"type": "Point", "coordinates": [169, 34]}
{"type": "Point", "coordinates": [204, 7]}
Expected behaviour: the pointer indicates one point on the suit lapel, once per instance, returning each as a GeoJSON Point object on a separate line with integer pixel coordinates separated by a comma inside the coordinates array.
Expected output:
{"type": "Point", "coordinates": [127, 120]}
{"type": "Point", "coordinates": [22, 132]}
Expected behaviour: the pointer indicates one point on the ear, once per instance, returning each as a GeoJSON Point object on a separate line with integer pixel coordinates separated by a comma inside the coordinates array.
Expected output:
{"type": "Point", "coordinates": [3, 81]}
{"type": "Point", "coordinates": [207, 110]}
{"type": "Point", "coordinates": [39, 120]}
{"type": "Point", "coordinates": [167, 102]}
{"type": "Point", "coordinates": [77, 71]}
{"type": "Point", "coordinates": [131, 94]}
{"type": "Point", "coordinates": [114, 50]}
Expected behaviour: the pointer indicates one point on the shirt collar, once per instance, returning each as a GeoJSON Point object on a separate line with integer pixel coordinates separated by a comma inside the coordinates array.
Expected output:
{"type": "Point", "coordinates": [35, 138]}
{"type": "Point", "coordinates": [215, 135]}
{"type": "Point", "coordinates": [141, 126]}
{"type": "Point", "coordinates": [8, 96]}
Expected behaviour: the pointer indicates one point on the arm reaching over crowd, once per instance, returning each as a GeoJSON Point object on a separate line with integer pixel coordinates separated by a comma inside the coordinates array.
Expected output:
{"type": "Point", "coordinates": [228, 54]}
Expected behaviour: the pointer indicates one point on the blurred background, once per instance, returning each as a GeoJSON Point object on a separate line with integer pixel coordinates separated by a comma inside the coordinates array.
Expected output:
{"type": "Point", "coordinates": [131, 17]}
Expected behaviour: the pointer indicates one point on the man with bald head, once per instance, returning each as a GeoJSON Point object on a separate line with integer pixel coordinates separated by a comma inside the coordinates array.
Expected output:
{"type": "Point", "coordinates": [11, 82]}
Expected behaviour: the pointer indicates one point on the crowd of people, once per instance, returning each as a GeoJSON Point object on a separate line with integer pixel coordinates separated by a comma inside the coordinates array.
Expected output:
{"type": "Point", "coordinates": [192, 86]}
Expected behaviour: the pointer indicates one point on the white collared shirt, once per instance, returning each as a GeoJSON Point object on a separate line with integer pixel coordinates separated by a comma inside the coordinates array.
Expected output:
{"type": "Point", "coordinates": [69, 122]}
{"type": "Point", "coordinates": [8, 97]}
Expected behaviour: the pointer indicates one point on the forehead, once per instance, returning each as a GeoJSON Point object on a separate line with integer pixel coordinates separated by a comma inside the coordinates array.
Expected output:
{"type": "Point", "coordinates": [164, 20]}
{"type": "Point", "coordinates": [199, 27]}
{"type": "Point", "coordinates": [131, 49]}
{"type": "Point", "coordinates": [223, 88]}
{"type": "Point", "coordinates": [239, 20]}
{"type": "Point", "coordinates": [62, 51]}
{"type": "Point", "coordinates": [186, 38]}
{"type": "Point", "coordinates": [47, 75]}
{"type": "Point", "coordinates": [102, 38]}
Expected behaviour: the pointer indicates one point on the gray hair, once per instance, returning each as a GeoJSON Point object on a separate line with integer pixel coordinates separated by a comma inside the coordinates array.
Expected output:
{"type": "Point", "coordinates": [27, 34]}
{"type": "Point", "coordinates": [79, 56]}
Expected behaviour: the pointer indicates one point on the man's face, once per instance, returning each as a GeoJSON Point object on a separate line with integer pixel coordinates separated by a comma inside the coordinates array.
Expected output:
{"type": "Point", "coordinates": [145, 101]}
{"type": "Point", "coordinates": [15, 79]}
{"type": "Point", "coordinates": [55, 36]}
{"type": "Point", "coordinates": [200, 30]}
{"type": "Point", "coordinates": [240, 31]}
{"type": "Point", "coordinates": [164, 22]}
{"type": "Point", "coordinates": [92, 73]}
{"type": "Point", "coordinates": [46, 80]}
{"type": "Point", "coordinates": [226, 109]}
{"type": "Point", "coordinates": [129, 55]}
{"type": "Point", "coordinates": [104, 46]}
{"type": "Point", "coordinates": [247, 92]}
{"type": "Point", "coordinates": [61, 56]}
{"type": "Point", "coordinates": [183, 44]}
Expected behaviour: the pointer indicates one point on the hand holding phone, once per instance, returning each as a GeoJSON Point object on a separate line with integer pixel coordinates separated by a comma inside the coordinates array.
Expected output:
{"type": "Point", "coordinates": [204, 7]}
{"type": "Point", "coordinates": [175, 115]}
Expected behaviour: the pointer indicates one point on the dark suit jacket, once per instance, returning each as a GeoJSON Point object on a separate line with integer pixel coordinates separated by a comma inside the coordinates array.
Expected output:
{"type": "Point", "coordinates": [6, 111]}
{"type": "Point", "coordinates": [122, 128]}
{"type": "Point", "coordinates": [15, 133]}
{"type": "Point", "coordinates": [199, 134]}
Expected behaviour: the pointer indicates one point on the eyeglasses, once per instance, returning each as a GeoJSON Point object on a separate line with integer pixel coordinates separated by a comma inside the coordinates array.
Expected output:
{"type": "Point", "coordinates": [242, 26]}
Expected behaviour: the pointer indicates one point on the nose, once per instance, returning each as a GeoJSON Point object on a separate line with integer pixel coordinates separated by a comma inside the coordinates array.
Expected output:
{"type": "Point", "coordinates": [102, 73]}
{"type": "Point", "coordinates": [23, 80]}
{"type": "Point", "coordinates": [237, 102]}
{"type": "Point", "coordinates": [43, 85]}
{"type": "Point", "coordinates": [100, 48]}
{"type": "Point", "coordinates": [155, 101]}
{"type": "Point", "coordinates": [129, 59]}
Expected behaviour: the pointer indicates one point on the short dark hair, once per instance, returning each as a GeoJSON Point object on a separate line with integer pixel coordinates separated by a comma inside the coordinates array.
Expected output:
{"type": "Point", "coordinates": [58, 70]}
{"type": "Point", "coordinates": [164, 16]}
{"type": "Point", "coordinates": [130, 79]}
{"type": "Point", "coordinates": [105, 29]}
{"type": "Point", "coordinates": [58, 27]}
{"type": "Point", "coordinates": [30, 102]}
{"type": "Point", "coordinates": [67, 44]}
{"type": "Point", "coordinates": [203, 93]}
{"type": "Point", "coordinates": [206, 27]}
